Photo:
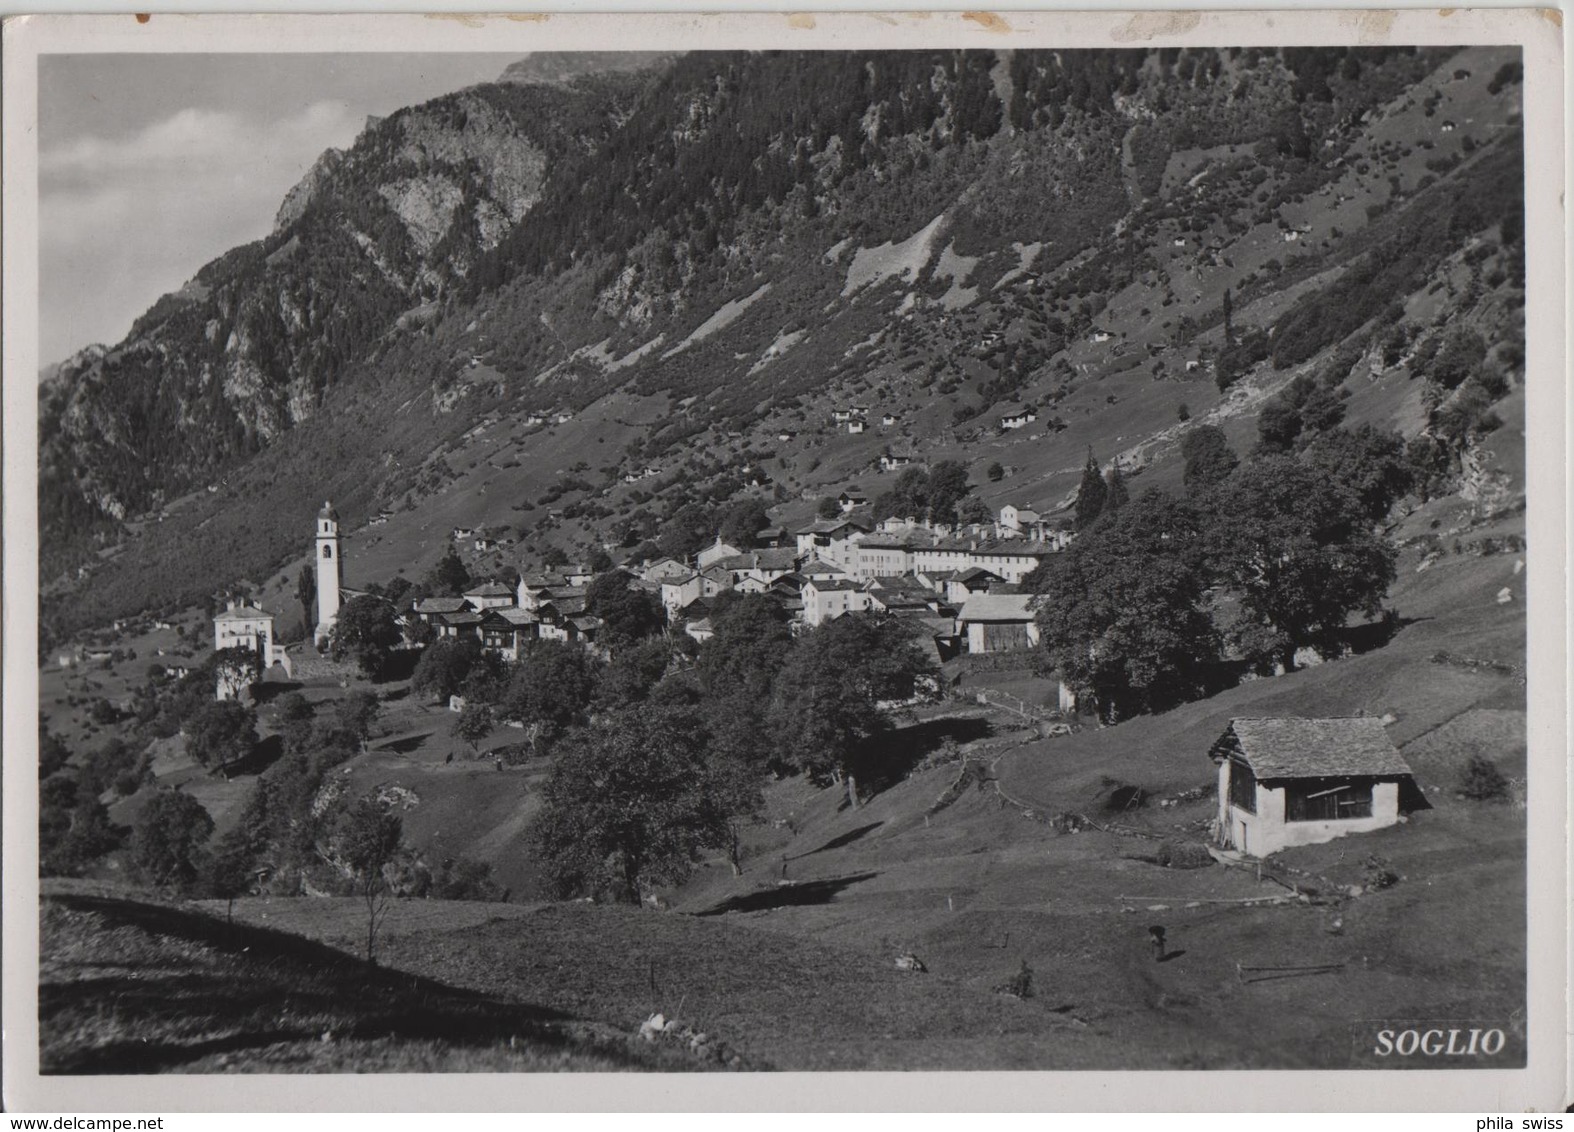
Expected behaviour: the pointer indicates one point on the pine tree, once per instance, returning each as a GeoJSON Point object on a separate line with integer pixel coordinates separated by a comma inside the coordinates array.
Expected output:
{"type": "Point", "coordinates": [1229, 312]}
{"type": "Point", "coordinates": [1117, 496]}
{"type": "Point", "coordinates": [1091, 494]}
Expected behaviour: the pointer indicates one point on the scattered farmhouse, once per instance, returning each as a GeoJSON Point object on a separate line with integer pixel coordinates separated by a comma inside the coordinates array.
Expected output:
{"type": "Point", "coordinates": [1017, 416]}
{"type": "Point", "coordinates": [1285, 782]}
{"type": "Point", "coordinates": [997, 623]}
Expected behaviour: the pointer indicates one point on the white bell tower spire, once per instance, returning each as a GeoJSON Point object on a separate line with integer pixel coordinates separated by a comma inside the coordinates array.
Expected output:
{"type": "Point", "coordinates": [328, 571]}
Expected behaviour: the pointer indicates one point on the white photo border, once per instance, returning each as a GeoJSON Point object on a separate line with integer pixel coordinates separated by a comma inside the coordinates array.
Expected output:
{"type": "Point", "coordinates": [1543, 1085]}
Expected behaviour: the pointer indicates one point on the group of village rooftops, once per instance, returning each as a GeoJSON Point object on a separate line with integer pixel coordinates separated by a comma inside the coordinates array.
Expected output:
{"type": "Point", "coordinates": [1282, 782]}
{"type": "Point", "coordinates": [964, 591]}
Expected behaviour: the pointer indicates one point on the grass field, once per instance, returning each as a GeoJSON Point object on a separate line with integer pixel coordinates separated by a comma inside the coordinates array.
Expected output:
{"type": "Point", "coordinates": [129, 984]}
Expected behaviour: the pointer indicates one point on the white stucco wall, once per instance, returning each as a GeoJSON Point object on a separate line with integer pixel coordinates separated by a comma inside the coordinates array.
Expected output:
{"type": "Point", "coordinates": [1267, 831]}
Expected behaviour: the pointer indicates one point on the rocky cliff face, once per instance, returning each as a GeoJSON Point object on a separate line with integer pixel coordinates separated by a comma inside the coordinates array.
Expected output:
{"type": "Point", "coordinates": [219, 370]}
{"type": "Point", "coordinates": [296, 200]}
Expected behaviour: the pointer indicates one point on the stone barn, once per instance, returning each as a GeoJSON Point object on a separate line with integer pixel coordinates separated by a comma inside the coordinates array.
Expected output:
{"type": "Point", "coordinates": [1291, 781]}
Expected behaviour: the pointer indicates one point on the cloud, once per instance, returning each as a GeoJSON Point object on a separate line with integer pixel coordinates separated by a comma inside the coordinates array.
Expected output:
{"type": "Point", "coordinates": [124, 220]}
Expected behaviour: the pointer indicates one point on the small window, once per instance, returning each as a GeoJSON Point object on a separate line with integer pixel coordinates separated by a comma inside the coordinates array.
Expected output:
{"type": "Point", "coordinates": [327, 552]}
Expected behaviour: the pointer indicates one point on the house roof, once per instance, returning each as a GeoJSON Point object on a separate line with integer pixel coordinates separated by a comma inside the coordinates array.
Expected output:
{"type": "Point", "coordinates": [538, 581]}
{"type": "Point", "coordinates": [824, 527]}
{"type": "Point", "coordinates": [245, 613]}
{"type": "Point", "coordinates": [515, 617]}
{"type": "Point", "coordinates": [975, 573]}
{"type": "Point", "coordinates": [776, 558]}
{"type": "Point", "coordinates": [996, 607]}
{"type": "Point", "coordinates": [1291, 747]}
{"type": "Point", "coordinates": [461, 618]}
{"type": "Point", "coordinates": [440, 605]}
{"type": "Point", "coordinates": [834, 585]}
{"type": "Point", "coordinates": [900, 583]}
{"type": "Point", "coordinates": [934, 626]}
{"type": "Point", "coordinates": [490, 589]}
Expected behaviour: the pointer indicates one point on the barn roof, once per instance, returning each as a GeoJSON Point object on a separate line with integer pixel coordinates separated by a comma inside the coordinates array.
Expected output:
{"type": "Point", "coordinates": [1311, 748]}
{"type": "Point", "coordinates": [440, 605]}
{"type": "Point", "coordinates": [997, 607]}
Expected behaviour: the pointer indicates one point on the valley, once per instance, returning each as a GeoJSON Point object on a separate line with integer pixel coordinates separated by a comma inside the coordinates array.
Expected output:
{"type": "Point", "coordinates": [587, 323]}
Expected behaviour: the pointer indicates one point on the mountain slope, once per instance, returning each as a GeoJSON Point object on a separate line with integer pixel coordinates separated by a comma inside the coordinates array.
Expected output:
{"type": "Point", "coordinates": [751, 239]}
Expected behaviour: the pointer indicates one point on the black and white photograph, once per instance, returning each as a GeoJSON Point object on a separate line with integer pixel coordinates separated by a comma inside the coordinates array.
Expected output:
{"type": "Point", "coordinates": [968, 552]}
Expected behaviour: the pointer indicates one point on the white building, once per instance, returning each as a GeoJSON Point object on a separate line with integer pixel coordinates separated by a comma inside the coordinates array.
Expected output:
{"type": "Point", "coordinates": [489, 595]}
{"type": "Point", "coordinates": [1292, 781]}
{"type": "Point", "coordinates": [245, 627]}
{"type": "Point", "coordinates": [330, 575]}
{"type": "Point", "coordinates": [825, 600]}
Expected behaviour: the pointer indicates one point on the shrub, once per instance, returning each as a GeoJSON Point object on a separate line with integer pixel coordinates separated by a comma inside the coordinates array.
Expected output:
{"type": "Point", "coordinates": [1183, 855]}
{"type": "Point", "coordinates": [1482, 781]}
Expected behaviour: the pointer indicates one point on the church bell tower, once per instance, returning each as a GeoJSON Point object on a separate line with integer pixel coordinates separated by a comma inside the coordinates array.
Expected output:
{"type": "Point", "coordinates": [328, 572]}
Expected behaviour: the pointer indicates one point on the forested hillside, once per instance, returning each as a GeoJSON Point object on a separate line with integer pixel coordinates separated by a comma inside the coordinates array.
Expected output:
{"type": "Point", "coordinates": [699, 260]}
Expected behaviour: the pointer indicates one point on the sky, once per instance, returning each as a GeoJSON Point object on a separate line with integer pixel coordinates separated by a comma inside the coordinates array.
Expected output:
{"type": "Point", "coordinates": [149, 166]}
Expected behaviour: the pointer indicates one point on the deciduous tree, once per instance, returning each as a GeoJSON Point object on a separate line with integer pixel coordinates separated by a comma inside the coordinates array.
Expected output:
{"type": "Point", "coordinates": [627, 614]}
{"type": "Point", "coordinates": [551, 688]}
{"type": "Point", "coordinates": [743, 523]}
{"type": "Point", "coordinates": [170, 840]}
{"type": "Point", "coordinates": [1208, 456]}
{"type": "Point", "coordinates": [220, 733]}
{"type": "Point", "coordinates": [445, 664]}
{"type": "Point", "coordinates": [367, 632]}
{"type": "Point", "coordinates": [1122, 613]}
{"type": "Point", "coordinates": [1298, 548]}
{"type": "Point", "coordinates": [630, 804]}
{"type": "Point", "coordinates": [830, 693]}
{"type": "Point", "coordinates": [449, 577]}
{"type": "Point", "coordinates": [1370, 462]}
{"type": "Point", "coordinates": [474, 723]}
{"type": "Point", "coordinates": [367, 838]}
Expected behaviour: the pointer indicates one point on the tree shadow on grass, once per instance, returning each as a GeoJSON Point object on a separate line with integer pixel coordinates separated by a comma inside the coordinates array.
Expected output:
{"type": "Point", "coordinates": [255, 987]}
{"type": "Point", "coordinates": [400, 665]}
{"type": "Point", "coordinates": [266, 691]}
{"type": "Point", "coordinates": [844, 839]}
{"type": "Point", "coordinates": [267, 751]}
{"type": "Point", "coordinates": [809, 892]}
{"type": "Point", "coordinates": [891, 757]}
{"type": "Point", "coordinates": [405, 745]}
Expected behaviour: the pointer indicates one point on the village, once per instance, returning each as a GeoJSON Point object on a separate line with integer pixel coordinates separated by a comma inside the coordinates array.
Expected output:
{"type": "Point", "coordinates": [1281, 782]}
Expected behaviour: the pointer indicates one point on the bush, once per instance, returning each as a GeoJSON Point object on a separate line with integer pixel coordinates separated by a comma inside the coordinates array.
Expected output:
{"type": "Point", "coordinates": [1482, 781]}
{"type": "Point", "coordinates": [463, 878]}
{"type": "Point", "coordinates": [1183, 855]}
